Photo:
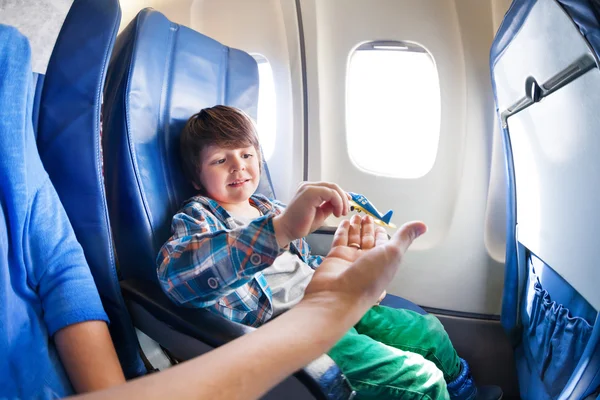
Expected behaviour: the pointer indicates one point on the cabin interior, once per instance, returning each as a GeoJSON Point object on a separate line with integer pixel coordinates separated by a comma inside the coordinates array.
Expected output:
{"type": "Point", "coordinates": [477, 117]}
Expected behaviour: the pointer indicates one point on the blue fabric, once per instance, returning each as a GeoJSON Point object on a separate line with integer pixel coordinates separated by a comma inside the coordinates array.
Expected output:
{"type": "Point", "coordinates": [38, 84]}
{"type": "Point", "coordinates": [69, 143]}
{"type": "Point", "coordinates": [554, 339]}
{"type": "Point", "coordinates": [45, 282]}
{"type": "Point", "coordinates": [398, 302]}
{"type": "Point", "coordinates": [586, 378]}
{"type": "Point", "coordinates": [586, 16]}
{"type": "Point", "coordinates": [265, 185]}
{"type": "Point", "coordinates": [463, 387]}
{"type": "Point", "coordinates": [510, 26]}
{"type": "Point", "coordinates": [510, 296]}
{"type": "Point", "coordinates": [562, 292]}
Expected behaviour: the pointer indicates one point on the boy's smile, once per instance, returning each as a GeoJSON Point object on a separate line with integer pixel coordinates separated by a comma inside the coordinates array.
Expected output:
{"type": "Point", "coordinates": [239, 182]}
{"type": "Point", "coordinates": [230, 176]}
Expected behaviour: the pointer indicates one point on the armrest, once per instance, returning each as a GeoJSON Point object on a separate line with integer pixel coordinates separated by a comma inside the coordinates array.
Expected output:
{"type": "Point", "coordinates": [200, 324]}
{"type": "Point", "coordinates": [322, 377]}
{"type": "Point", "coordinates": [320, 240]}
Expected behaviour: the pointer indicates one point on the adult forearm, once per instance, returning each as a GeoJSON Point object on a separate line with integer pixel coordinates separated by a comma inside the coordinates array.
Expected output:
{"type": "Point", "coordinates": [87, 352]}
{"type": "Point", "coordinates": [249, 366]}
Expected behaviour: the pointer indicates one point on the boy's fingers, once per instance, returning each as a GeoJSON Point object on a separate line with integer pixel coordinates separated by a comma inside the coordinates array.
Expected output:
{"type": "Point", "coordinates": [407, 233]}
{"type": "Point", "coordinates": [326, 209]}
{"type": "Point", "coordinates": [354, 230]}
{"type": "Point", "coordinates": [367, 233]}
{"type": "Point", "coordinates": [318, 195]}
{"type": "Point", "coordinates": [345, 199]}
{"type": "Point", "coordinates": [333, 197]}
{"type": "Point", "coordinates": [340, 238]}
{"type": "Point", "coordinates": [343, 196]}
{"type": "Point", "coordinates": [338, 203]}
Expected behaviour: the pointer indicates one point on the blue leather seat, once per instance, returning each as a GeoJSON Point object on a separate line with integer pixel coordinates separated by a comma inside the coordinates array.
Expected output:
{"type": "Point", "coordinates": [547, 89]}
{"type": "Point", "coordinates": [67, 116]}
{"type": "Point", "coordinates": [160, 74]}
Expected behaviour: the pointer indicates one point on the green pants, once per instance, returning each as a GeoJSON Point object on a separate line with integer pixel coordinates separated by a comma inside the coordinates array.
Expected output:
{"type": "Point", "coordinates": [397, 354]}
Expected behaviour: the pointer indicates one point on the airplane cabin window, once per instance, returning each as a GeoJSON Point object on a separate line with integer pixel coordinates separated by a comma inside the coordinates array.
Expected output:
{"type": "Point", "coordinates": [393, 108]}
{"type": "Point", "coordinates": [266, 106]}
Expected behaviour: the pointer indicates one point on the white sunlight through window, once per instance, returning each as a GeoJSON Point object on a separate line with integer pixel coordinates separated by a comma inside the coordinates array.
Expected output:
{"type": "Point", "coordinates": [393, 109]}
{"type": "Point", "coordinates": [266, 119]}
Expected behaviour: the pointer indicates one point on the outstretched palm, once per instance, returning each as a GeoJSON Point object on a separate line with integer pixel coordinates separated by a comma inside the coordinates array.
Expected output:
{"type": "Point", "coordinates": [361, 263]}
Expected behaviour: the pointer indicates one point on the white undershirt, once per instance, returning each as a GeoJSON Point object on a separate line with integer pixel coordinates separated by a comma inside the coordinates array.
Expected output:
{"type": "Point", "coordinates": [288, 277]}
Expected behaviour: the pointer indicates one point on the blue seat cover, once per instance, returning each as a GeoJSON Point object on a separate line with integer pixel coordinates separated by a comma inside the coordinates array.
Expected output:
{"type": "Point", "coordinates": [161, 73]}
{"type": "Point", "coordinates": [69, 143]}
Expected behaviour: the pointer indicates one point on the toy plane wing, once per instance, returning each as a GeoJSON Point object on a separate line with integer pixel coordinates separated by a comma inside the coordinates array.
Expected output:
{"type": "Point", "coordinates": [361, 203]}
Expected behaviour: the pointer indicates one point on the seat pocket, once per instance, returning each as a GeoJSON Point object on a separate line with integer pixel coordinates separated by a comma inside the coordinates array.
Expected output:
{"type": "Point", "coordinates": [556, 340]}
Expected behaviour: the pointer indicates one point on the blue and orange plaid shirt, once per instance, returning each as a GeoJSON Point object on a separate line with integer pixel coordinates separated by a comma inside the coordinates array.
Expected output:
{"type": "Point", "coordinates": [211, 263]}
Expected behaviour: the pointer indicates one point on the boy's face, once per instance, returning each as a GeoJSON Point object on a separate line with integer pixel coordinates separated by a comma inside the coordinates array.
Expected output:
{"type": "Point", "coordinates": [229, 176]}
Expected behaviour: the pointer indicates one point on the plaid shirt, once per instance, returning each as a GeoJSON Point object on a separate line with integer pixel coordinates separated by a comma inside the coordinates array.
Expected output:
{"type": "Point", "coordinates": [210, 263]}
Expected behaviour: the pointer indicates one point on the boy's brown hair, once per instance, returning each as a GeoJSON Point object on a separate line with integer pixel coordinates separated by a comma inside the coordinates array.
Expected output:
{"type": "Point", "coordinates": [222, 126]}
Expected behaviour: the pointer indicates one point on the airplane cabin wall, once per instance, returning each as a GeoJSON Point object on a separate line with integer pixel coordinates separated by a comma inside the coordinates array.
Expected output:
{"type": "Point", "coordinates": [495, 219]}
{"type": "Point", "coordinates": [451, 267]}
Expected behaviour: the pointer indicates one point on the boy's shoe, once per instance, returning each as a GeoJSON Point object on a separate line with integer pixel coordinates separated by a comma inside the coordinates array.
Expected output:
{"type": "Point", "coordinates": [463, 387]}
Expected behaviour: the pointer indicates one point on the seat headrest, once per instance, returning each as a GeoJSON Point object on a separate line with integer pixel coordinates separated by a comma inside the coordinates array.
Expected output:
{"type": "Point", "coordinates": [161, 73]}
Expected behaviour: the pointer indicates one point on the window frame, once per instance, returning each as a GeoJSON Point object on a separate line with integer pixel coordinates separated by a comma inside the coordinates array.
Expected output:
{"type": "Point", "coordinates": [392, 46]}
{"type": "Point", "coordinates": [261, 59]}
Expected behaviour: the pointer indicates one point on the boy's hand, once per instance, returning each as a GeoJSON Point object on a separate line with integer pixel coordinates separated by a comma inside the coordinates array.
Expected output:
{"type": "Point", "coordinates": [350, 280]}
{"type": "Point", "coordinates": [312, 204]}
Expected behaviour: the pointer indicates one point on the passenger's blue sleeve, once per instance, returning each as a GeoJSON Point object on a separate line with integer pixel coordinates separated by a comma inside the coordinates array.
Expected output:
{"type": "Point", "coordinates": [65, 285]}
{"type": "Point", "coordinates": [66, 288]}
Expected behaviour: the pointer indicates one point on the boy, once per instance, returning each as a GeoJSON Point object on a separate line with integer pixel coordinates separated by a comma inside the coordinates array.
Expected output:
{"type": "Point", "coordinates": [242, 256]}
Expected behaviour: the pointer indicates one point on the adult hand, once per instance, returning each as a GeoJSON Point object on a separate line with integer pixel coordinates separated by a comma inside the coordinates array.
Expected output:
{"type": "Point", "coordinates": [363, 235]}
{"type": "Point", "coordinates": [311, 205]}
{"type": "Point", "coordinates": [361, 263]}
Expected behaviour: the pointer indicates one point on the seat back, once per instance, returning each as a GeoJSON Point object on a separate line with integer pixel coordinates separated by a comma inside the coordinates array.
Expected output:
{"type": "Point", "coordinates": [160, 74]}
{"type": "Point", "coordinates": [67, 114]}
{"type": "Point", "coordinates": [547, 89]}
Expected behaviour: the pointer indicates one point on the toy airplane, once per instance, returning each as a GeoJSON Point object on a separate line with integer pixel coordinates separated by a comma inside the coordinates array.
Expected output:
{"type": "Point", "coordinates": [360, 203]}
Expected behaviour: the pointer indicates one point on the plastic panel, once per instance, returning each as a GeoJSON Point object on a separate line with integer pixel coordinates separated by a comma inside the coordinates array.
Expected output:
{"type": "Point", "coordinates": [555, 149]}
{"type": "Point", "coordinates": [528, 55]}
